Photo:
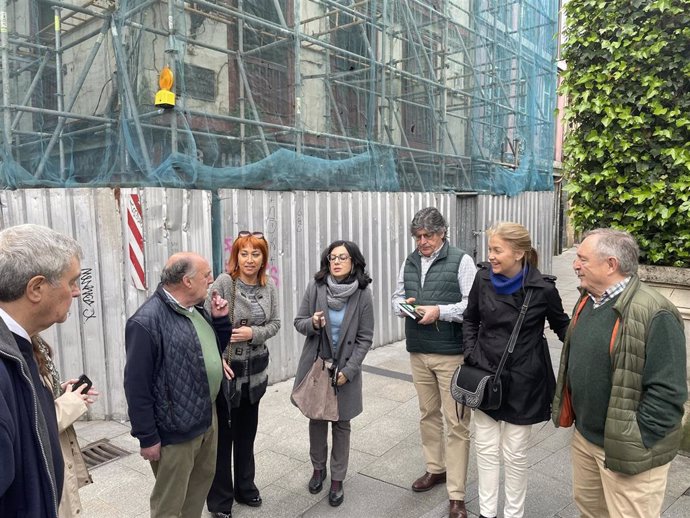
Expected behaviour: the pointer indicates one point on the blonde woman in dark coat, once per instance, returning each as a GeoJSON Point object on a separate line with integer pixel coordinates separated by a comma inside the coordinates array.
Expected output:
{"type": "Point", "coordinates": [337, 307]}
{"type": "Point", "coordinates": [493, 306]}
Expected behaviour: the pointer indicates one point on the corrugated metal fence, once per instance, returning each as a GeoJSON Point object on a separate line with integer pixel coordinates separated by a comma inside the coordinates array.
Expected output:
{"type": "Point", "coordinates": [92, 339]}
{"type": "Point", "coordinates": [298, 226]}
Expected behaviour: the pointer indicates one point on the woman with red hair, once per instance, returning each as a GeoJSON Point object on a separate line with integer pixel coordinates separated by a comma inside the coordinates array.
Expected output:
{"type": "Point", "coordinates": [253, 301]}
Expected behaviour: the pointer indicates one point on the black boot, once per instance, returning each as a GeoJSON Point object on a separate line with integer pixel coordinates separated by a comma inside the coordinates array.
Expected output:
{"type": "Point", "coordinates": [336, 494]}
{"type": "Point", "coordinates": [316, 481]}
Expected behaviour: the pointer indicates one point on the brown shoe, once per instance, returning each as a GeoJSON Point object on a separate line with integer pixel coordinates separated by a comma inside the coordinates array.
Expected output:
{"type": "Point", "coordinates": [457, 509]}
{"type": "Point", "coordinates": [427, 481]}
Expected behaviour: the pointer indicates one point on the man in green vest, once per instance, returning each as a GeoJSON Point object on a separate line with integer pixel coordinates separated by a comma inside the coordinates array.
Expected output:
{"type": "Point", "coordinates": [623, 377]}
{"type": "Point", "coordinates": [435, 280]}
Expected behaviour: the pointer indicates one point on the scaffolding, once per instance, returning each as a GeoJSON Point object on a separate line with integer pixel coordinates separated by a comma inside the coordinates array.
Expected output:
{"type": "Point", "coordinates": [416, 95]}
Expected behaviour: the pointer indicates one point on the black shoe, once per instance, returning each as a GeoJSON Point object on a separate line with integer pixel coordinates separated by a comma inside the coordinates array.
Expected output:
{"type": "Point", "coordinates": [316, 481]}
{"type": "Point", "coordinates": [251, 502]}
{"type": "Point", "coordinates": [336, 495]}
{"type": "Point", "coordinates": [222, 515]}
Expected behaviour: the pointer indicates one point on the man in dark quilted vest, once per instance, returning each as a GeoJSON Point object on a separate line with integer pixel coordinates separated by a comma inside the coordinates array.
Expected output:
{"type": "Point", "coordinates": [172, 377]}
{"type": "Point", "coordinates": [436, 278]}
{"type": "Point", "coordinates": [623, 374]}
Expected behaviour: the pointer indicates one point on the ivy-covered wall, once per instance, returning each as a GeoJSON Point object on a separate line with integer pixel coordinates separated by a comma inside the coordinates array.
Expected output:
{"type": "Point", "coordinates": [627, 151]}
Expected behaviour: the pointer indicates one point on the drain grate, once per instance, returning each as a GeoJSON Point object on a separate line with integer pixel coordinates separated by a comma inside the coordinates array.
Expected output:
{"type": "Point", "coordinates": [101, 452]}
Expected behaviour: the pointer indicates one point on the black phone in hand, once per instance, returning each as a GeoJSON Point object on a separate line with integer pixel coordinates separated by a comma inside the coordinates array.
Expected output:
{"type": "Point", "coordinates": [82, 379]}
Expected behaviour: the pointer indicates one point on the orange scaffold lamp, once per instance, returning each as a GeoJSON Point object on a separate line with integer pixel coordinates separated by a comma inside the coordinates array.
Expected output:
{"type": "Point", "coordinates": [165, 98]}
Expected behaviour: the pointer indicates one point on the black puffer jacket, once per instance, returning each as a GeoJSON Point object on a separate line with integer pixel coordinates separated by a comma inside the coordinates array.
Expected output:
{"type": "Point", "coordinates": [165, 376]}
{"type": "Point", "coordinates": [528, 380]}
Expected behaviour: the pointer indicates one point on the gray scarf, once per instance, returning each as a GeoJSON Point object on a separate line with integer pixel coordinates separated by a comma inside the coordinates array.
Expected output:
{"type": "Point", "coordinates": [337, 294]}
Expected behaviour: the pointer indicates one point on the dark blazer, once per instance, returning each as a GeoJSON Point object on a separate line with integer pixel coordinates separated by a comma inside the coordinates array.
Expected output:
{"type": "Point", "coordinates": [356, 334]}
{"type": "Point", "coordinates": [28, 485]}
{"type": "Point", "coordinates": [528, 379]}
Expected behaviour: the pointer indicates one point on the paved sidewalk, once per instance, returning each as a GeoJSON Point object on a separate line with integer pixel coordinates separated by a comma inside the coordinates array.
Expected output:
{"type": "Point", "coordinates": [385, 458]}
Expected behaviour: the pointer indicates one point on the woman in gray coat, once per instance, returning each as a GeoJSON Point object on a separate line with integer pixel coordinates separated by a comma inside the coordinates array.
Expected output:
{"type": "Point", "coordinates": [337, 309]}
{"type": "Point", "coordinates": [253, 301]}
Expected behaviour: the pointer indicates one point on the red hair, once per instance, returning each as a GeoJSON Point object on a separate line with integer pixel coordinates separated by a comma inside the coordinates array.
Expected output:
{"type": "Point", "coordinates": [252, 241]}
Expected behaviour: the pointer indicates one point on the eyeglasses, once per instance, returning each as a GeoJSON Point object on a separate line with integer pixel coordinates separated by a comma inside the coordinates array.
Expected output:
{"type": "Point", "coordinates": [246, 233]}
{"type": "Point", "coordinates": [342, 258]}
{"type": "Point", "coordinates": [426, 236]}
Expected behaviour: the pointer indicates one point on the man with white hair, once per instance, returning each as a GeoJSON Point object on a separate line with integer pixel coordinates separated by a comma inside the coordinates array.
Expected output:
{"type": "Point", "coordinates": [622, 379]}
{"type": "Point", "coordinates": [39, 277]}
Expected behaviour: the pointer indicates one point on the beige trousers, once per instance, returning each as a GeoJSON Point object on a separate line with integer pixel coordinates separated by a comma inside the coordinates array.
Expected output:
{"type": "Point", "coordinates": [184, 475]}
{"type": "Point", "coordinates": [602, 493]}
{"type": "Point", "coordinates": [432, 374]}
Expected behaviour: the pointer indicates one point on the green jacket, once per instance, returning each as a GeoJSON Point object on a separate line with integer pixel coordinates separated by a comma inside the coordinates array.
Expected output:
{"type": "Point", "coordinates": [624, 449]}
{"type": "Point", "coordinates": [440, 287]}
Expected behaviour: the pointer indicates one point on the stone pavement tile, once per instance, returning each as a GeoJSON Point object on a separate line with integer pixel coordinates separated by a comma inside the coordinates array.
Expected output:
{"type": "Point", "coordinates": [407, 410]}
{"type": "Point", "coordinates": [678, 476]}
{"type": "Point", "coordinates": [399, 466]}
{"type": "Point", "coordinates": [381, 435]}
{"type": "Point", "coordinates": [295, 444]}
{"type": "Point", "coordinates": [359, 461]}
{"type": "Point", "coordinates": [270, 466]}
{"type": "Point", "coordinates": [118, 486]}
{"type": "Point", "coordinates": [556, 465]}
{"type": "Point", "coordinates": [540, 432]}
{"type": "Point", "coordinates": [387, 358]}
{"type": "Point", "coordinates": [570, 511]}
{"type": "Point", "coordinates": [374, 408]}
{"type": "Point", "coordinates": [282, 425]}
{"type": "Point", "coordinates": [370, 498]}
{"type": "Point", "coordinates": [535, 455]}
{"type": "Point", "coordinates": [97, 508]}
{"type": "Point", "coordinates": [679, 509]}
{"type": "Point", "coordinates": [546, 496]}
{"type": "Point", "coordinates": [400, 364]}
{"type": "Point", "coordinates": [387, 387]}
{"type": "Point", "coordinates": [91, 431]}
{"type": "Point", "coordinates": [559, 439]}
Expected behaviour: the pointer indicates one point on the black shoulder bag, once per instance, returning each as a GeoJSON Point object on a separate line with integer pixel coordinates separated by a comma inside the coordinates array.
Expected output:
{"type": "Point", "coordinates": [475, 387]}
{"type": "Point", "coordinates": [229, 386]}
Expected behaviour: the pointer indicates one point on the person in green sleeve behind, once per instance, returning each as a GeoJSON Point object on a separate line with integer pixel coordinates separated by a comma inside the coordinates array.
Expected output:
{"type": "Point", "coordinates": [173, 374]}
{"type": "Point", "coordinates": [623, 374]}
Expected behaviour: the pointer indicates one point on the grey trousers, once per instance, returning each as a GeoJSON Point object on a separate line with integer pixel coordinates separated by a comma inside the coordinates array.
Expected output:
{"type": "Point", "coordinates": [340, 450]}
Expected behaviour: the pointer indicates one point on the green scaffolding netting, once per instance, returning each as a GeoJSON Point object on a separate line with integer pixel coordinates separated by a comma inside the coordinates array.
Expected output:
{"type": "Point", "coordinates": [335, 95]}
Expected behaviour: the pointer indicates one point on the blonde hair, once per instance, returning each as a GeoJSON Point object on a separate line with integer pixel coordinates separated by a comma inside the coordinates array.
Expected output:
{"type": "Point", "coordinates": [517, 236]}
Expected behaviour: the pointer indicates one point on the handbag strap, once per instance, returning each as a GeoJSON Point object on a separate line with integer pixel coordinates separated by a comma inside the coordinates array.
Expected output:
{"type": "Point", "coordinates": [514, 335]}
{"type": "Point", "coordinates": [231, 315]}
{"type": "Point", "coordinates": [319, 343]}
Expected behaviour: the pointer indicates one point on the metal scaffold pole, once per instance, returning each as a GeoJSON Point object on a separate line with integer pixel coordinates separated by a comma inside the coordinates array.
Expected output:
{"type": "Point", "coordinates": [4, 51]}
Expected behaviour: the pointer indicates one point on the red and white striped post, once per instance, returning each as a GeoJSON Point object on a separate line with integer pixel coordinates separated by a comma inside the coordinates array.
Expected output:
{"type": "Point", "coordinates": [135, 238]}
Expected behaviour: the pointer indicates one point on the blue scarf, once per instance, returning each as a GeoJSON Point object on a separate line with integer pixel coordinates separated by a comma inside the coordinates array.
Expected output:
{"type": "Point", "coordinates": [507, 285]}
